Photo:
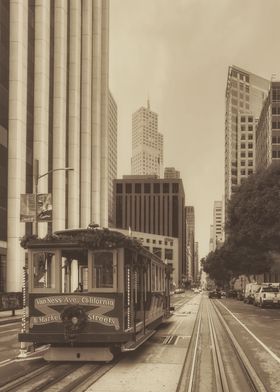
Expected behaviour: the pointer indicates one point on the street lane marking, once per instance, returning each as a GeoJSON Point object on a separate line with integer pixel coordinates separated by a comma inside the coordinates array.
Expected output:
{"type": "Point", "coordinates": [254, 336]}
{"type": "Point", "coordinates": [5, 362]}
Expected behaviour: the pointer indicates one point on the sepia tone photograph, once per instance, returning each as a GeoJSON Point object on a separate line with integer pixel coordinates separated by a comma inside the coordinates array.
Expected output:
{"type": "Point", "coordinates": [139, 195]}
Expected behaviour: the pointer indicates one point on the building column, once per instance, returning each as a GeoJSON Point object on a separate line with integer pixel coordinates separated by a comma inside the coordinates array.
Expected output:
{"type": "Point", "coordinates": [74, 114]}
{"type": "Point", "coordinates": [96, 111]}
{"type": "Point", "coordinates": [104, 114]}
{"type": "Point", "coordinates": [86, 75]}
{"type": "Point", "coordinates": [59, 113]}
{"type": "Point", "coordinates": [41, 95]}
{"type": "Point", "coordinates": [16, 139]}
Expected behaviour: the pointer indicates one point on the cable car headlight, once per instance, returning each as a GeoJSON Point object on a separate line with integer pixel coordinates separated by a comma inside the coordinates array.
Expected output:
{"type": "Point", "coordinates": [75, 320]}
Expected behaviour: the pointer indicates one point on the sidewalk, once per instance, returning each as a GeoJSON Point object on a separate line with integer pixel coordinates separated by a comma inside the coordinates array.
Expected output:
{"type": "Point", "coordinates": [6, 316]}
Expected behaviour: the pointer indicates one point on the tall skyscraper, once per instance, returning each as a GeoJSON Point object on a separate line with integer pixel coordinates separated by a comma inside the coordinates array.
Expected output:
{"type": "Point", "coordinates": [190, 235]}
{"type": "Point", "coordinates": [196, 263]}
{"type": "Point", "coordinates": [147, 143]}
{"type": "Point", "coordinates": [218, 219]}
{"type": "Point", "coordinates": [268, 129]}
{"type": "Point", "coordinates": [112, 153]}
{"type": "Point", "coordinates": [152, 205]}
{"type": "Point", "coordinates": [54, 109]}
{"type": "Point", "coordinates": [245, 94]}
{"type": "Point", "coordinates": [211, 240]}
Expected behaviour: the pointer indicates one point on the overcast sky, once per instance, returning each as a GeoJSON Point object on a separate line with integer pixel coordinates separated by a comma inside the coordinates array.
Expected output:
{"type": "Point", "coordinates": [177, 52]}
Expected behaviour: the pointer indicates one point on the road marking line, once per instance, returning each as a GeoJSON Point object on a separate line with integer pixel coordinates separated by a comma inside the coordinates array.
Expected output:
{"type": "Point", "coordinates": [254, 336]}
{"type": "Point", "coordinates": [5, 362]}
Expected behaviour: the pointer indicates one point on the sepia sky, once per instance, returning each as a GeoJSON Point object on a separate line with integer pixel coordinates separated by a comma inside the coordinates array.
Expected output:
{"type": "Point", "coordinates": [177, 52]}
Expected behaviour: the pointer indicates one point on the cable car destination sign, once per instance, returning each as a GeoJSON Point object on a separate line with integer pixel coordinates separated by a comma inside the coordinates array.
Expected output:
{"type": "Point", "coordinates": [101, 305]}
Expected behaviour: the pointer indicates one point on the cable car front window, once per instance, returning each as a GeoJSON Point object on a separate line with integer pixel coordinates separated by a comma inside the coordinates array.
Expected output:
{"type": "Point", "coordinates": [44, 270]}
{"type": "Point", "coordinates": [103, 270]}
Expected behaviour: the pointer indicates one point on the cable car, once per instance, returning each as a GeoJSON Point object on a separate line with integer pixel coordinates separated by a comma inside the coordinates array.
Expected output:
{"type": "Point", "coordinates": [91, 293]}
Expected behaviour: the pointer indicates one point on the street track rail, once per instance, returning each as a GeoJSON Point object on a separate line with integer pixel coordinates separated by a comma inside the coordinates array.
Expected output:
{"type": "Point", "coordinates": [62, 377]}
{"type": "Point", "coordinates": [230, 368]}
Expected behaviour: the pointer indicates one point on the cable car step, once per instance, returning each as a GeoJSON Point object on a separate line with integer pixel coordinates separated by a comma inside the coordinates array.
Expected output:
{"type": "Point", "coordinates": [140, 339]}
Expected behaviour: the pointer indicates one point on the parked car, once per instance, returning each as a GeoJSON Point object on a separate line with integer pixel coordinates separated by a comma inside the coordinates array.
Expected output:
{"type": "Point", "coordinates": [214, 294]}
{"type": "Point", "coordinates": [250, 290]}
{"type": "Point", "coordinates": [267, 294]}
{"type": "Point", "coordinates": [231, 294]}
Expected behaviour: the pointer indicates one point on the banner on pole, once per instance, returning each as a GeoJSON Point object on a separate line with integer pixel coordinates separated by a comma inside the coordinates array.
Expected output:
{"type": "Point", "coordinates": [44, 207]}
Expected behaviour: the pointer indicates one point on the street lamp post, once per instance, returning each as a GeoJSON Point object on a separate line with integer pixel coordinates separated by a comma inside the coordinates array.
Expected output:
{"type": "Point", "coordinates": [36, 180]}
{"type": "Point", "coordinates": [23, 348]}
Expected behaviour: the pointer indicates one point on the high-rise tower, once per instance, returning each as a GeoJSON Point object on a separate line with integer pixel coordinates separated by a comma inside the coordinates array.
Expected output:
{"type": "Point", "coordinates": [218, 231]}
{"type": "Point", "coordinates": [147, 143]}
{"type": "Point", "coordinates": [245, 94]}
{"type": "Point", "coordinates": [268, 129]}
{"type": "Point", "coordinates": [54, 109]}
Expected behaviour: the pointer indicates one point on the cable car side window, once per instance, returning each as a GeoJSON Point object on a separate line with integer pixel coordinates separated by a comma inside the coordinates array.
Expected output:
{"type": "Point", "coordinates": [103, 271]}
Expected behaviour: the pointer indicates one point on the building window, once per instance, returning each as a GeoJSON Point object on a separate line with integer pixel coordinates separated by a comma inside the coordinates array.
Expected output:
{"type": "Point", "coordinates": [165, 187]}
{"type": "Point", "coordinates": [157, 187]}
{"type": "Point", "coordinates": [119, 188]}
{"type": "Point", "coordinates": [274, 154]}
{"type": "Point", "coordinates": [157, 252]}
{"type": "Point", "coordinates": [242, 163]}
{"type": "Point", "coordinates": [250, 163]}
{"type": "Point", "coordinates": [175, 187]}
{"type": "Point", "coordinates": [243, 154]}
{"type": "Point", "coordinates": [250, 119]}
{"type": "Point", "coordinates": [274, 139]}
{"type": "Point", "coordinates": [243, 172]}
{"type": "Point", "coordinates": [243, 119]}
{"type": "Point", "coordinates": [250, 171]}
{"type": "Point", "coordinates": [168, 254]}
{"type": "Point", "coordinates": [137, 188]}
{"type": "Point", "coordinates": [128, 188]}
{"type": "Point", "coordinates": [250, 145]}
{"type": "Point", "coordinates": [250, 154]}
{"type": "Point", "coordinates": [243, 145]}
{"type": "Point", "coordinates": [147, 188]}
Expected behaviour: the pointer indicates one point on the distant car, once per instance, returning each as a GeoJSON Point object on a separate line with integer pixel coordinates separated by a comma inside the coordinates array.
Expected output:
{"type": "Point", "coordinates": [179, 291]}
{"type": "Point", "coordinates": [196, 291]}
{"type": "Point", "coordinates": [214, 294]}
